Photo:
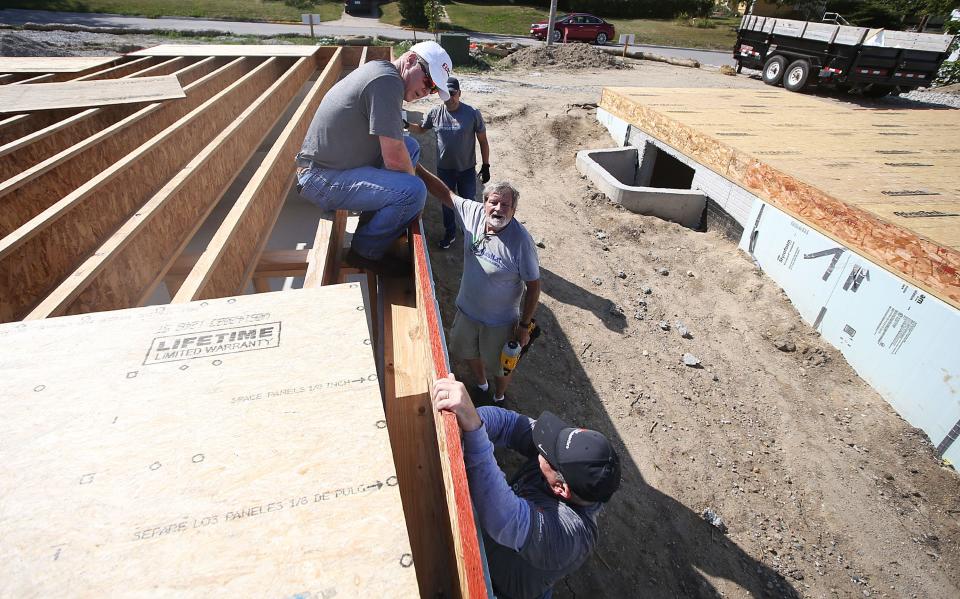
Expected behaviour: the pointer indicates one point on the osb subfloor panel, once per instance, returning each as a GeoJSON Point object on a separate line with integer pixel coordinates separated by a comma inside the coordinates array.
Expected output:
{"type": "Point", "coordinates": [882, 181]}
{"type": "Point", "coordinates": [229, 447]}
{"type": "Point", "coordinates": [225, 50]}
{"type": "Point", "coordinates": [52, 64]}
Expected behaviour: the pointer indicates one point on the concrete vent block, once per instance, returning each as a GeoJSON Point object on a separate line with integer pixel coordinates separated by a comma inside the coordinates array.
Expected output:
{"type": "Point", "coordinates": [636, 181]}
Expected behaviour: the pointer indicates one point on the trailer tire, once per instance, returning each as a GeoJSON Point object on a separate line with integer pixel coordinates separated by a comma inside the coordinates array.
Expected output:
{"type": "Point", "coordinates": [876, 91]}
{"type": "Point", "coordinates": [796, 76]}
{"type": "Point", "coordinates": [773, 69]}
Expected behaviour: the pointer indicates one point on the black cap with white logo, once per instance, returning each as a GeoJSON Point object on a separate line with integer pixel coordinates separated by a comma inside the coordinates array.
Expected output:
{"type": "Point", "coordinates": [585, 458]}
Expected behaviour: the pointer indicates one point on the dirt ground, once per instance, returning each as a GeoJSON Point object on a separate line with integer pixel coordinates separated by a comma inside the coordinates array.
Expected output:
{"type": "Point", "coordinates": [823, 489]}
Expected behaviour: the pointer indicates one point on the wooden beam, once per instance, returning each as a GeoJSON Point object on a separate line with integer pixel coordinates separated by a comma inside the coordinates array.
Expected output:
{"type": "Point", "coordinates": [413, 438]}
{"type": "Point", "coordinates": [24, 153]}
{"type": "Point", "coordinates": [296, 51]}
{"type": "Point", "coordinates": [15, 126]}
{"type": "Point", "coordinates": [52, 64]}
{"type": "Point", "coordinates": [46, 77]}
{"type": "Point", "coordinates": [119, 71]}
{"type": "Point", "coordinates": [272, 264]}
{"type": "Point", "coordinates": [34, 190]}
{"type": "Point", "coordinates": [37, 256]}
{"type": "Point", "coordinates": [466, 544]}
{"type": "Point", "coordinates": [134, 260]}
{"type": "Point", "coordinates": [228, 262]}
{"type": "Point", "coordinates": [325, 254]}
{"type": "Point", "coordinates": [73, 94]}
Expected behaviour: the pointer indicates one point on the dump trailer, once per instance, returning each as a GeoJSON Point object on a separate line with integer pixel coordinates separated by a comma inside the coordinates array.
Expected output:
{"type": "Point", "coordinates": [873, 62]}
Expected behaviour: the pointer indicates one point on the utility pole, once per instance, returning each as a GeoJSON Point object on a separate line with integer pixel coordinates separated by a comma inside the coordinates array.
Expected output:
{"type": "Point", "coordinates": [550, 22]}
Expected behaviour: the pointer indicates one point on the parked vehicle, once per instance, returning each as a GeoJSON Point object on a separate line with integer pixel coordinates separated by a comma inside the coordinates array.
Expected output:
{"type": "Point", "coordinates": [576, 26]}
{"type": "Point", "coordinates": [873, 62]}
{"type": "Point", "coordinates": [359, 6]}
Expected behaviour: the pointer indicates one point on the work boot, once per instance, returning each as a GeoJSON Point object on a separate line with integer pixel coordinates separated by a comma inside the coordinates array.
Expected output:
{"type": "Point", "coordinates": [446, 242]}
{"type": "Point", "coordinates": [387, 266]}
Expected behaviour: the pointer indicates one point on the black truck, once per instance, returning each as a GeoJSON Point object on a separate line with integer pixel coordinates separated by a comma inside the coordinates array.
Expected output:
{"type": "Point", "coordinates": [872, 62]}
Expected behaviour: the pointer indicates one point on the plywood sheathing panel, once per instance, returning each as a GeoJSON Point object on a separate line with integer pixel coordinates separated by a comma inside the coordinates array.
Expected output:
{"type": "Point", "coordinates": [38, 256]}
{"type": "Point", "coordinates": [133, 261]}
{"type": "Point", "coordinates": [21, 154]}
{"type": "Point", "coordinates": [255, 468]}
{"type": "Point", "coordinates": [52, 64]}
{"type": "Point", "coordinates": [227, 263]}
{"type": "Point", "coordinates": [828, 164]}
{"type": "Point", "coordinates": [34, 190]}
{"type": "Point", "coordinates": [72, 94]}
{"type": "Point", "coordinates": [226, 50]}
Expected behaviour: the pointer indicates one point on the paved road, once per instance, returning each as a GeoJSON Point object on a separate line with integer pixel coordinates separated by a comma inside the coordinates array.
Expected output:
{"type": "Point", "coordinates": [348, 25]}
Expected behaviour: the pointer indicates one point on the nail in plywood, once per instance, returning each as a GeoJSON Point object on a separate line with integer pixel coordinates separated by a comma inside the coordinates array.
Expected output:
{"type": "Point", "coordinates": [228, 262]}
{"type": "Point", "coordinates": [52, 64]}
{"type": "Point", "coordinates": [267, 471]}
{"type": "Point", "coordinates": [70, 94]}
{"type": "Point", "coordinates": [135, 258]}
{"type": "Point", "coordinates": [37, 256]}
{"type": "Point", "coordinates": [225, 50]}
{"type": "Point", "coordinates": [830, 165]}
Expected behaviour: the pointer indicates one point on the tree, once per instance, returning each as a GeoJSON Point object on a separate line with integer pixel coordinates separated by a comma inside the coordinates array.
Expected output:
{"type": "Point", "coordinates": [413, 12]}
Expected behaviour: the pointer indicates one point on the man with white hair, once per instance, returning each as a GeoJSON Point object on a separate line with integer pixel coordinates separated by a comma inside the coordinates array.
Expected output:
{"type": "Point", "coordinates": [356, 156]}
{"type": "Point", "coordinates": [500, 268]}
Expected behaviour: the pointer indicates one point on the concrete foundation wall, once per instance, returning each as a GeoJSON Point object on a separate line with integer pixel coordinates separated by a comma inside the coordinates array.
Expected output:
{"type": "Point", "coordinates": [898, 338]}
{"type": "Point", "coordinates": [609, 169]}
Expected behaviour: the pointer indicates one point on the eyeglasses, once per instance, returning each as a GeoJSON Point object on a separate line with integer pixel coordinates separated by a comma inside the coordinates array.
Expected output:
{"type": "Point", "coordinates": [479, 244]}
{"type": "Point", "coordinates": [427, 80]}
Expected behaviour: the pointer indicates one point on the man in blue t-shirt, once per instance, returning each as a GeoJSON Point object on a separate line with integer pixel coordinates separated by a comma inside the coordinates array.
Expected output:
{"type": "Point", "coordinates": [542, 525]}
{"type": "Point", "coordinates": [500, 287]}
{"type": "Point", "coordinates": [459, 126]}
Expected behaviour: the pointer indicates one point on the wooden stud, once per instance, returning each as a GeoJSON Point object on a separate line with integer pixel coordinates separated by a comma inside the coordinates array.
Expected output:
{"type": "Point", "coordinates": [134, 260]}
{"type": "Point", "coordinates": [45, 78]}
{"type": "Point", "coordinates": [327, 247]}
{"type": "Point", "coordinates": [228, 262]}
{"type": "Point", "coordinates": [120, 71]}
{"type": "Point", "coordinates": [37, 256]}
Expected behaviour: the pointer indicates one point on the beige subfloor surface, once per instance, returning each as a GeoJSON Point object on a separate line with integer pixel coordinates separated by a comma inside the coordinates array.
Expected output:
{"type": "Point", "coordinates": [826, 492]}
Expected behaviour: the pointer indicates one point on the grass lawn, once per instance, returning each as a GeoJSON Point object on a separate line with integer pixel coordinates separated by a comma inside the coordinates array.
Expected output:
{"type": "Point", "coordinates": [673, 33]}
{"type": "Point", "coordinates": [234, 10]}
{"type": "Point", "coordinates": [513, 19]}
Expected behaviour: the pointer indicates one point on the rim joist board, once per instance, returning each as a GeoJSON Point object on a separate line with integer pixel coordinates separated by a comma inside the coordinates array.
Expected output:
{"type": "Point", "coordinates": [235, 446]}
{"type": "Point", "coordinates": [53, 64]}
{"type": "Point", "coordinates": [880, 180]}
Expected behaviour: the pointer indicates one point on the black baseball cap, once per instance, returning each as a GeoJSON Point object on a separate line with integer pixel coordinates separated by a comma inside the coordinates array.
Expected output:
{"type": "Point", "coordinates": [585, 458]}
{"type": "Point", "coordinates": [453, 84]}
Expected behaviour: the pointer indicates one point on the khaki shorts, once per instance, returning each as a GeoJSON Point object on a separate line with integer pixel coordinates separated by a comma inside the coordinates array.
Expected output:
{"type": "Point", "coordinates": [470, 340]}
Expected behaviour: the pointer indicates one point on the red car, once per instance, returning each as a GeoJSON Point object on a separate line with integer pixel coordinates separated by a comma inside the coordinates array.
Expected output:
{"type": "Point", "coordinates": [576, 26]}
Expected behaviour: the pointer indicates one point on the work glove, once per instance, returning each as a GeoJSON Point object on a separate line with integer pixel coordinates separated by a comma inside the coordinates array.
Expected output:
{"type": "Point", "coordinates": [485, 173]}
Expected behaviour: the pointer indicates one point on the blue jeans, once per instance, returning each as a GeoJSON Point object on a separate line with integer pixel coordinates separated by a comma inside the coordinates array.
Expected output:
{"type": "Point", "coordinates": [462, 183]}
{"type": "Point", "coordinates": [396, 197]}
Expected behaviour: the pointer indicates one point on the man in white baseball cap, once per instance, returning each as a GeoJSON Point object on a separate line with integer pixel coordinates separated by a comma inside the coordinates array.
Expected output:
{"type": "Point", "coordinates": [357, 157]}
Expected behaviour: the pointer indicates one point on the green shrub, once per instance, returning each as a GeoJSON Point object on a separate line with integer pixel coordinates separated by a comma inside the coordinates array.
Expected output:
{"type": "Point", "coordinates": [948, 74]}
{"type": "Point", "coordinates": [413, 12]}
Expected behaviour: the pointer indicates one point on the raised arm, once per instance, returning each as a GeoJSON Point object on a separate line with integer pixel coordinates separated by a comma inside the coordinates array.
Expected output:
{"type": "Point", "coordinates": [435, 186]}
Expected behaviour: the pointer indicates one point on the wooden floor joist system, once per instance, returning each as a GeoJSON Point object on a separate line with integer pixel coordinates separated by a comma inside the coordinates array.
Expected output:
{"type": "Point", "coordinates": [881, 180]}
{"type": "Point", "coordinates": [97, 209]}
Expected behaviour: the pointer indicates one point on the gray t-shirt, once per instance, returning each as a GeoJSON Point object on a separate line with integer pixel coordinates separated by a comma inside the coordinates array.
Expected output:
{"type": "Point", "coordinates": [456, 135]}
{"type": "Point", "coordinates": [345, 131]}
{"type": "Point", "coordinates": [494, 267]}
